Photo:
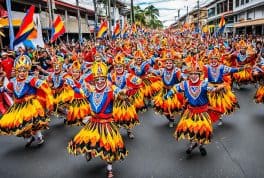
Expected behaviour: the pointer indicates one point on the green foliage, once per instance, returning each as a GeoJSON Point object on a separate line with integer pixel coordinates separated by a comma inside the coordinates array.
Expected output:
{"type": "Point", "coordinates": [148, 16]}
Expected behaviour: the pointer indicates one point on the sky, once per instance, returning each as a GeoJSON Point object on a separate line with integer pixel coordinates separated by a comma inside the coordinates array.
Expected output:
{"type": "Point", "coordinates": [168, 8]}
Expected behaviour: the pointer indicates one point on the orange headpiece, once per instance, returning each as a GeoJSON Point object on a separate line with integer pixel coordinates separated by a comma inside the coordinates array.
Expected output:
{"type": "Point", "coordinates": [214, 54]}
{"type": "Point", "coordinates": [139, 54]}
{"type": "Point", "coordinates": [76, 66]}
{"type": "Point", "coordinates": [194, 66]}
{"type": "Point", "coordinates": [242, 44]}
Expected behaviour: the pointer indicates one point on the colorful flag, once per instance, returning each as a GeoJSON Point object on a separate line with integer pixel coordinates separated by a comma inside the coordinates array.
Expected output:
{"type": "Point", "coordinates": [11, 30]}
{"type": "Point", "coordinates": [35, 38]}
{"type": "Point", "coordinates": [117, 30]}
{"type": "Point", "coordinates": [222, 25]}
{"type": "Point", "coordinates": [124, 30]}
{"type": "Point", "coordinates": [27, 28]}
{"type": "Point", "coordinates": [103, 29]}
{"type": "Point", "coordinates": [134, 29]}
{"type": "Point", "coordinates": [58, 29]}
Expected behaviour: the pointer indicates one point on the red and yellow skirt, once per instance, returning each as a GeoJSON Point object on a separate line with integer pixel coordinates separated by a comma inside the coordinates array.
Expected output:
{"type": "Point", "coordinates": [23, 118]}
{"type": "Point", "coordinates": [259, 95]}
{"type": "Point", "coordinates": [138, 100]}
{"type": "Point", "coordinates": [63, 95]}
{"type": "Point", "coordinates": [78, 109]}
{"type": "Point", "coordinates": [244, 76]}
{"type": "Point", "coordinates": [195, 125]}
{"type": "Point", "coordinates": [151, 86]}
{"type": "Point", "coordinates": [170, 106]}
{"type": "Point", "coordinates": [101, 138]}
{"type": "Point", "coordinates": [224, 99]}
{"type": "Point", "coordinates": [124, 114]}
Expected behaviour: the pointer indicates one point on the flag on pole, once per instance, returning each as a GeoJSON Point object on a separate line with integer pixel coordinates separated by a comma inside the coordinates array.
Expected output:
{"type": "Point", "coordinates": [103, 29]}
{"type": "Point", "coordinates": [222, 25]}
{"type": "Point", "coordinates": [11, 30]}
{"type": "Point", "coordinates": [58, 29]}
{"type": "Point", "coordinates": [134, 29]}
{"type": "Point", "coordinates": [124, 30]}
{"type": "Point", "coordinates": [35, 38]}
{"type": "Point", "coordinates": [117, 30]}
{"type": "Point", "coordinates": [27, 28]}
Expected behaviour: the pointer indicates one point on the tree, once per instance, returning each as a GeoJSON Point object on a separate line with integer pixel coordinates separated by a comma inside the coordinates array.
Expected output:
{"type": "Point", "coordinates": [139, 15]}
{"type": "Point", "coordinates": [148, 16]}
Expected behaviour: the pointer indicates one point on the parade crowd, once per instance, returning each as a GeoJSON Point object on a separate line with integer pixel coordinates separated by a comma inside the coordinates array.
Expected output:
{"type": "Point", "coordinates": [103, 86]}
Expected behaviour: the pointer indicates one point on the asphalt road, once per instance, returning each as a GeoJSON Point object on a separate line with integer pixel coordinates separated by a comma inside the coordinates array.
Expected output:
{"type": "Point", "coordinates": [237, 150]}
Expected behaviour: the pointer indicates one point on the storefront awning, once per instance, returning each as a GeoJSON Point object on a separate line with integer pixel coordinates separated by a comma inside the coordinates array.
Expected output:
{"type": "Point", "coordinates": [249, 23]}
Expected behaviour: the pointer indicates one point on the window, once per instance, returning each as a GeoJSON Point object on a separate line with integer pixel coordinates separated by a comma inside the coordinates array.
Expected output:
{"type": "Point", "coordinates": [242, 2]}
{"type": "Point", "coordinates": [247, 1]}
{"type": "Point", "coordinates": [230, 5]}
{"type": "Point", "coordinates": [211, 12]}
{"type": "Point", "coordinates": [237, 3]}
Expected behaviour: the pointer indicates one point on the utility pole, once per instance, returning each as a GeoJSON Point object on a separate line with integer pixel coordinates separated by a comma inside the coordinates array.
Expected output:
{"type": "Point", "coordinates": [79, 21]}
{"type": "Point", "coordinates": [198, 5]}
{"type": "Point", "coordinates": [132, 12]}
{"type": "Point", "coordinates": [114, 13]}
{"type": "Point", "coordinates": [50, 18]}
{"type": "Point", "coordinates": [95, 18]}
{"type": "Point", "coordinates": [109, 18]}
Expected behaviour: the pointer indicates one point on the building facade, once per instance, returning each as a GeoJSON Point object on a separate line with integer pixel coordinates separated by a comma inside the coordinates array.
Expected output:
{"type": "Point", "coordinates": [218, 8]}
{"type": "Point", "coordinates": [249, 17]}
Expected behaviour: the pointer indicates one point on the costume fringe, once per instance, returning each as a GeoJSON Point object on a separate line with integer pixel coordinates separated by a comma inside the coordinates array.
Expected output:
{"type": "Point", "coordinates": [223, 99]}
{"type": "Point", "coordinates": [101, 140]}
{"type": "Point", "coordinates": [196, 127]}
{"type": "Point", "coordinates": [125, 114]}
{"type": "Point", "coordinates": [170, 106]}
{"type": "Point", "coordinates": [23, 118]}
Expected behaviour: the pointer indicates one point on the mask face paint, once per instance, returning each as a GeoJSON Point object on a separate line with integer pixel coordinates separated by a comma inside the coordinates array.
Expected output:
{"type": "Point", "coordinates": [119, 69]}
{"type": "Point", "coordinates": [214, 62]}
{"type": "Point", "coordinates": [138, 61]}
{"type": "Point", "coordinates": [100, 83]}
{"type": "Point", "coordinates": [22, 73]}
{"type": "Point", "coordinates": [169, 64]}
{"type": "Point", "coordinates": [76, 74]}
{"type": "Point", "coordinates": [194, 77]}
{"type": "Point", "coordinates": [57, 69]}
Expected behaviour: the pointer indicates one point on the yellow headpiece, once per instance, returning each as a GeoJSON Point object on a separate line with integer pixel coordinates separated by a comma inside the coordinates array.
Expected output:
{"type": "Point", "coordinates": [76, 66]}
{"type": "Point", "coordinates": [57, 64]}
{"type": "Point", "coordinates": [23, 61]}
{"type": "Point", "coordinates": [99, 69]}
{"type": "Point", "coordinates": [119, 59]}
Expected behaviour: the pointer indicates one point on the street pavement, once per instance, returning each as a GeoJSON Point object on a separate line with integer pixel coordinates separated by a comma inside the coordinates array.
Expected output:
{"type": "Point", "coordinates": [237, 150]}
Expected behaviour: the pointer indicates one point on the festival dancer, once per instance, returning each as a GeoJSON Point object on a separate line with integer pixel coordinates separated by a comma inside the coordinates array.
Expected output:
{"type": "Point", "coordinates": [151, 84]}
{"type": "Point", "coordinates": [32, 99]}
{"type": "Point", "coordinates": [258, 74]}
{"type": "Point", "coordinates": [100, 137]}
{"type": "Point", "coordinates": [78, 108]}
{"type": "Point", "coordinates": [62, 92]}
{"type": "Point", "coordinates": [196, 121]}
{"type": "Point", "coordinates": [124, 111]}
{"type": "Point", "coordinates": [242, 58]}
{"type": "Point", "coordinates": [170, 75]}
{"type": "Point", "coordinates": [215, 73]}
